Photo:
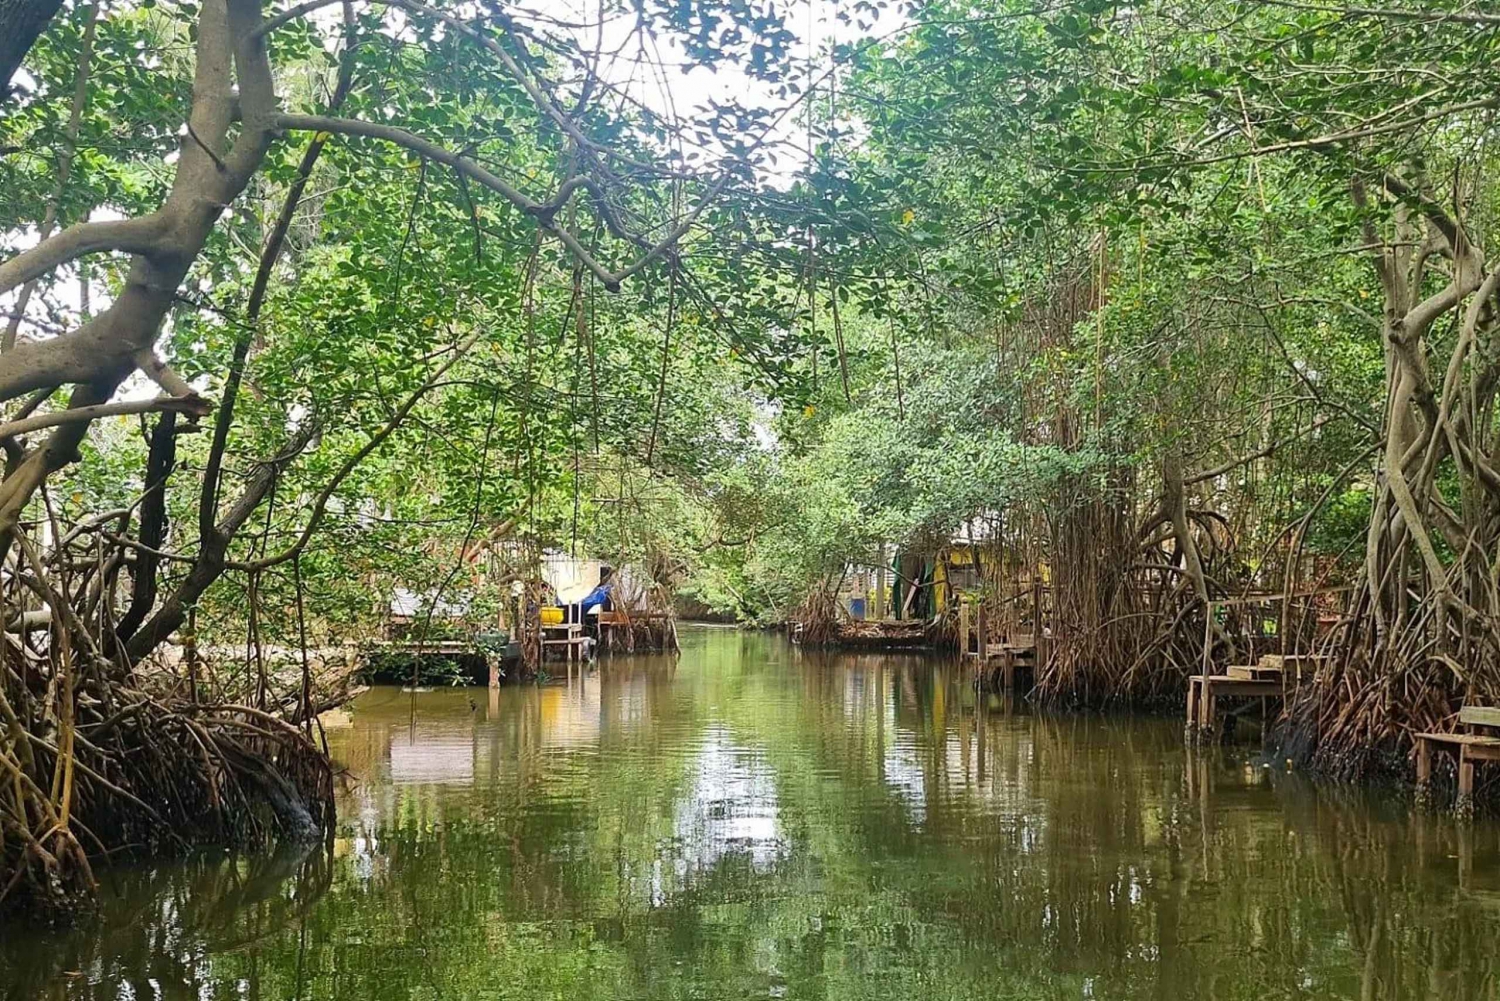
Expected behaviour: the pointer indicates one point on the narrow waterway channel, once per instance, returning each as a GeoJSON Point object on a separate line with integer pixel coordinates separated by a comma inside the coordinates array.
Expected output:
{"type": "Point", "coordinates": [753, 821]}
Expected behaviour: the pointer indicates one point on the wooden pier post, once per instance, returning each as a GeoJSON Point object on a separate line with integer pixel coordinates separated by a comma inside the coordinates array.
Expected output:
{"type": "Point", "coordinates": [1464, 806]}
{"type": "Point", "coordinates": [1424, 773]}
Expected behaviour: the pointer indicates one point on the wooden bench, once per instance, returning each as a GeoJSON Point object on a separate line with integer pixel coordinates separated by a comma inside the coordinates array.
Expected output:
{"type": "Point", "coordinates": [1471, 747]}
{"type": "Point", "coordinates": [1204, 691]}
{"type": "Point", "coordinates": [1268, 678]}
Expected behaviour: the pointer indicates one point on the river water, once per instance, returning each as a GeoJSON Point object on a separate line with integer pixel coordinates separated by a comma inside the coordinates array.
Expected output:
{"type": "Point", "coordinates": [754, 821]}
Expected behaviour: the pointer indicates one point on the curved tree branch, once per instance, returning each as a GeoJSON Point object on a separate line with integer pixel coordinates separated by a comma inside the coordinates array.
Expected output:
{"type": "Point", "coordinates": [141, 235]}
{"type": "Point", "coordinates": [1260, 453]}
{"type": "Point", "coordinates": [540, 99]}
{"type": "Point", "coordinates": [194, 405]}
{"type": "Point", "coordinates": [208, 498]}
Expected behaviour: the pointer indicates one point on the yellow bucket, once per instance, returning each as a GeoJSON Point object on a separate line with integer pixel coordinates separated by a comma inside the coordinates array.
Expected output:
{"type": "Point", "coordinates": [551, 615]}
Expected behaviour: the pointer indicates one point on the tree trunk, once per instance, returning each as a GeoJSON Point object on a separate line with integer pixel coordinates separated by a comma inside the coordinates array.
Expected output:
{"type": "Point", "coordinates": [21, 24]}
{"type": "Point", "coordinates": [1174, 505]}
{"type": "Point", "coordinates": [159, 464]}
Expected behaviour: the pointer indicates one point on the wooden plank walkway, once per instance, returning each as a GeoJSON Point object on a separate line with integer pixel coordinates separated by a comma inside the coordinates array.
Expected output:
{"type": "Point", "coordinates": [1001, 661]}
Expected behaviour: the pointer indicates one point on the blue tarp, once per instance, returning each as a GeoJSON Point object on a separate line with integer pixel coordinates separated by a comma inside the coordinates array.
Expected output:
{"type": "Point", "coordinates": [598, 597]}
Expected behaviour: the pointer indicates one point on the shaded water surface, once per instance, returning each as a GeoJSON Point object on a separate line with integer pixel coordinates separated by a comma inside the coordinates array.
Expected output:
{"type": "Point", "coordinates": [754, 822]}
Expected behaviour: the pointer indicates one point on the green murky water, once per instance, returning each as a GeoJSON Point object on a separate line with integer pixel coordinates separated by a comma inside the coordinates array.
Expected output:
{"type": "Point", "coordinates": [754, 822]}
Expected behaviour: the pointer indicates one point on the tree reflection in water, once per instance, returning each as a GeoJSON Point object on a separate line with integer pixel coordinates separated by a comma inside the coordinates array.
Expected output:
{"type": "Point", "coordinates": [758, 821]}
{"type": "Point", "coordinates": [159, 929]}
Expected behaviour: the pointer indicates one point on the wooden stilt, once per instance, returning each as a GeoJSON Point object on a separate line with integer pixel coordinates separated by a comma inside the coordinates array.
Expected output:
{"type": "Point", "coordinates": [1465, 804]}
{"type": "Point", "coordinates": [1465, 856]}
{"type": "Point", "coordinates": [1205, 697]}
{"type": "Point", "coordinates": [1424, 772]}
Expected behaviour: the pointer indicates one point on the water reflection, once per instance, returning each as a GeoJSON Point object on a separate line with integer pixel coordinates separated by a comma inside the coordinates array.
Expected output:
{"type": "Point", "coordinates": [164, 928]}
{"type": "Point", "coordinates": [731, 809]}
{"type": "Point", "coordinates": [755, 821]}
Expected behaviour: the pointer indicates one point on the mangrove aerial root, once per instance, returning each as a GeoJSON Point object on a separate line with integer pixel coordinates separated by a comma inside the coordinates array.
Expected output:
{"type": "Point", "coordinates": [135, 774]}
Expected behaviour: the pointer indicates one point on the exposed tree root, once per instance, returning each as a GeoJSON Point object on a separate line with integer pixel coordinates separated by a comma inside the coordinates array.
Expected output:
{"type": "Point", "coordinates": [136, 774]}
{"type": "Point", "coordinates": [100, 757]}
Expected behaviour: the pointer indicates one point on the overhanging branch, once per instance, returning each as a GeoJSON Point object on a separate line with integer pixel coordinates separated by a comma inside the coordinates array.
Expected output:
{"type": "Point", "coordinates": [1261, 453]}
{"type": "Point", "coordinates": [195, 406]}
{"type": "Point", "coordinates": [320, 506]}
{"type": "Point", "coordinates": [542, 212]}
{"type": "Point", "coordinates": [141, 235]}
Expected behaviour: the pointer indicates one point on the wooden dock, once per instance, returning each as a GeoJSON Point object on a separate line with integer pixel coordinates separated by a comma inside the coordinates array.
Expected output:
{"type": "Point", "coordinates": [1025, 645]}
{"type": "Point", "coordinates": [568, 636]}
{"type": "Point", "coordinates": [1269, 678]}
{"type": "Point", "coordinates": [1204, 691]}
{"type": "Point", "coordinates": [1002, 661]}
